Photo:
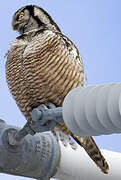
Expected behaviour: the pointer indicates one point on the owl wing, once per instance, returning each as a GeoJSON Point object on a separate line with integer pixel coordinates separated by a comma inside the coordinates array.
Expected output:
{"type": "Point", "coordinates": [73, 50]}
{"type": "Point", "coordinates": [15, 76]}
{"type": "Point", "coordinates": [52, 66]}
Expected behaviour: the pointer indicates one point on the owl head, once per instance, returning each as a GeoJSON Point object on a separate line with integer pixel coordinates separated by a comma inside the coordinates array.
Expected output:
{"type": "Point", "coordinates": [32, 17]}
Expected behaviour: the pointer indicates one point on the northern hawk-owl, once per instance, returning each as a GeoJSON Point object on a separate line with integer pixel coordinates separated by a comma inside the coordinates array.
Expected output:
{"type": "Point", "coordinates": [43, 65]}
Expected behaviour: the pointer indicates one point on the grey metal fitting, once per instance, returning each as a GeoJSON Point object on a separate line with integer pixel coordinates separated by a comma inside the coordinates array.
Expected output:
{"type": "Point", "coordinates": [44, 118]}
{"type": "Point", "coordinates": [36, 157]}
{"type": "Point", "coordinates": [93, 110]}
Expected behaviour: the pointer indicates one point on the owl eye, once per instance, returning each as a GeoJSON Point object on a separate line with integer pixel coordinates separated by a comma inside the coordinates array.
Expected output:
{"type": "Point", "coordinates": [21, 15]}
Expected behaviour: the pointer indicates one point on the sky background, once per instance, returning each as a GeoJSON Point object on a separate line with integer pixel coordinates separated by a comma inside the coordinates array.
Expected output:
{"type": "Point", "coordinates": [94, 26]}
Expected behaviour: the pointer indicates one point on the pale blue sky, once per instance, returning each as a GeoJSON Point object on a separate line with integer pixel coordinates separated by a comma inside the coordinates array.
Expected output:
{"type": "Point", "coordinates": [94, 26]}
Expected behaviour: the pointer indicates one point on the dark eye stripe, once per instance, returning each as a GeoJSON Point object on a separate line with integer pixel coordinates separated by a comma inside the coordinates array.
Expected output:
{"type": "Point", "coordinates": [31, 11]}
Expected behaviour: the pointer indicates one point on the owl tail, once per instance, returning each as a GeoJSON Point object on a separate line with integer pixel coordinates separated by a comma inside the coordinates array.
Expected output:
{"type": "Point", "coordinates": [93, 151]}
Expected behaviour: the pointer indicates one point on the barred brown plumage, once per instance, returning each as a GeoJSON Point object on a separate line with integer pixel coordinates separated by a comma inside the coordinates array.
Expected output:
{"type": "Point", "coordinates": [42, 66]}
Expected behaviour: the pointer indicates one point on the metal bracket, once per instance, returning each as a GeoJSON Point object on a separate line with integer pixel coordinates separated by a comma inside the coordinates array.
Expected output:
{"type": "Point", "coordinates": [44, 118]}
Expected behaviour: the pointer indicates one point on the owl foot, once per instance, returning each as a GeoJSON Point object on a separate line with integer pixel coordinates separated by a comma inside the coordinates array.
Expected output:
{"type": "Point", "coordinates": [64, 138]}
{"type": "Point", "coordinates": [72, 143]}
{"type": "Point", "coordinates": [59, 135]}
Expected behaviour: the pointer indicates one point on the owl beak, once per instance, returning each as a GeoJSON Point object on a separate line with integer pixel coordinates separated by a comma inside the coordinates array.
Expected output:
{"type": "Point", "coordinates": [12, 27]}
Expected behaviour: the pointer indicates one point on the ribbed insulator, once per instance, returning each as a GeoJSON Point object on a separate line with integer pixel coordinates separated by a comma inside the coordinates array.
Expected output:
{"type": "Point", "coordinates": [93, 110]}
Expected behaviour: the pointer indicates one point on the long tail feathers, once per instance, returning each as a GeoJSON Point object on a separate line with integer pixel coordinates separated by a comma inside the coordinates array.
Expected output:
{"type": "Point", "coordinates": [93, 151]}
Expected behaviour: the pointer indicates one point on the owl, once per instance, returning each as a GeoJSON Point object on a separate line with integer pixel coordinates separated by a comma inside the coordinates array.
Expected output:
{"type": "Point", "coordinates": [42, 66]}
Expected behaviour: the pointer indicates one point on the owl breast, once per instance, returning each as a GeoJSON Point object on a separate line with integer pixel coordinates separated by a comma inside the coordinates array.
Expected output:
{"type": "Point", "coordinates": [42, 69]}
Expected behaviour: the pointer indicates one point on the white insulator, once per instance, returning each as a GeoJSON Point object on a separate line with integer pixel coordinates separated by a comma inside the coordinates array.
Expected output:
{"type": "Point", "coordinates": [93, 110]}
